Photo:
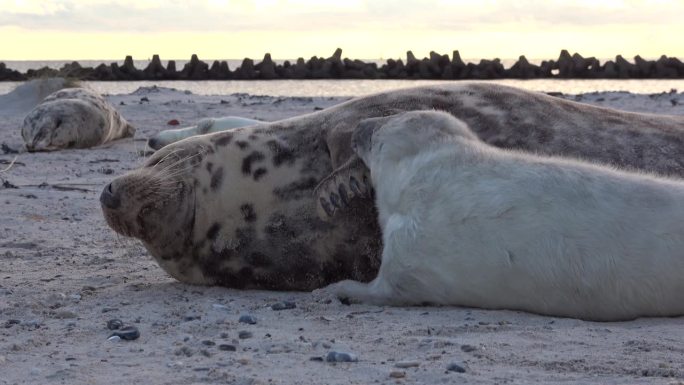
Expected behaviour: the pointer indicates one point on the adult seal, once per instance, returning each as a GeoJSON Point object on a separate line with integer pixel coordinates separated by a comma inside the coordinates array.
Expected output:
{"type": "Point", "coordinates": [238, 208]}
{"type": "Point", "coordinates": [468, 224]}
{"type": "Point", "coordinates": [73, 118]}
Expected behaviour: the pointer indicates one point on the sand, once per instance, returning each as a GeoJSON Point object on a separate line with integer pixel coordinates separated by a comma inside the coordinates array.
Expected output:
{"type": "Point", "coordinates": [64, 274]}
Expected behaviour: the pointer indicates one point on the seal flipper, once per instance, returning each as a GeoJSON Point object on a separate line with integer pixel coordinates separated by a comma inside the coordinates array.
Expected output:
{"type": "Point", "coordinates": [351, 179]}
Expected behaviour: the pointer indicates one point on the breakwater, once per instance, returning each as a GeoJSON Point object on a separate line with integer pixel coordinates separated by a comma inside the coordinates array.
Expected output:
{"type": "Point", "coordinates": [435, 67]}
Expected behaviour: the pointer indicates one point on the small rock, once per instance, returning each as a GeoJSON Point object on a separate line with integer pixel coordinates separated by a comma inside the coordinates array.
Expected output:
{"type": "Point", "coordinates": [674, 102]}
{"type": "Point", "coordinates": [114, 339]}
{"type": "Point", "coordinates": [128, 333]}
{"type": "Point", "coordinates": [11, 323]}
{"type": "Point", "coordinates": [114, 324]}
{"type": "Point", "coordinates": [407, 364]}
{"type": "Point", "coordinates": [208, 343]}
{"type": "Point", "coordinates": [144, 99]}
{"type": "Point", "coordinates": [227, 348]}
{"type": "Point", "coordinates": [316, 108]}
{"type": "Point", "coordinates": [243, 361]}
{"type": "Point", "coordinates": [244, 334]}
{"type": "Point", "coordinates": [454, 367]}
{"type": "Point", "coordinates": [397, 374]}
{"type": "Point", "coordinates": [334, 356]}
{"type": "Point", "coordinates": [248, 319]}
{"type": "Point", "coordinates": [468, 348]}
{"type": "Point", "coordinates": [316, 358]}
{"type": "Point", "coordinates": [285, 305]}
{"type": "Point", "coordinates": [173, 122]}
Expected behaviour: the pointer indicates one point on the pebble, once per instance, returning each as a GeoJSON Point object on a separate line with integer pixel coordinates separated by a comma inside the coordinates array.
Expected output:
{"type": "Point", "coordinates": [173, 122]}
{"type": "Point", "coordinates": [244, 334]}
{"type": "Point", "coordinates": [248, 319]}
{"type": "Point", "coordinates": [468, 348]}
{"type": "Point", "coordinates": [114, 324]}
{"type": "Point", "coordinates": [114, 339]}
{"type": "Point", "coordinates": [227, 348]}
{"type": "Point", "coordinates": [407, 364]}
{"type": "Point", "coordinates": [454, 367]}
{"type": "Point", "coordinates": [397, 374]}
{"type": "Point", "coordinates": [285, 305]}
{"type": "Point", "coordinates": [334, 356]}
{"type": "Point", "coordinates": [208, 343]}
{"type": "Point", "coordinates": [128, 333]}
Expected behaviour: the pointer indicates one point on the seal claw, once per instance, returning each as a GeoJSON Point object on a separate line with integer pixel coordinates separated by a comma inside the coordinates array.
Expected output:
{"type": "Point", "coordinates": [344, 196]}
{"type": "Point", "coordinates": [355, 187]}
{"type": "Point", "coordinates": [326, 207]}
{"type": "Point", "coordinates": [335, 200]}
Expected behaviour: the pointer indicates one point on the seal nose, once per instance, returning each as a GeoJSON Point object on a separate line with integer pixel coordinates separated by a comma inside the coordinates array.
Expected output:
{"type": "Point", "coordinates": [154, 144]}
{"type": "Point", "coordinates": [109, 198]}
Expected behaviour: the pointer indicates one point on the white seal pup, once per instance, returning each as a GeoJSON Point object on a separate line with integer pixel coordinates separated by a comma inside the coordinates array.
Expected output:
{"type": "Point", "coordinates": [73, 118]}
{"type": "Point", "coordinates": [204, 126]}
{"type": "Point", "coordinates": [465, 223]}
{"type": "Point", "coordinates": [238, 208]}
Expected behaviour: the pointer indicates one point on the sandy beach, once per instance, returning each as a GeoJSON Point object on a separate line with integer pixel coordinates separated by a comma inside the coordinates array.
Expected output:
{"type": "Point", "coordinates": [65, 274]}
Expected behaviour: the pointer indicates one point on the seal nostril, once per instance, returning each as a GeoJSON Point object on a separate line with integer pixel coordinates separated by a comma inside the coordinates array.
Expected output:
{"type": "Point", "coordinates": [109, 198]}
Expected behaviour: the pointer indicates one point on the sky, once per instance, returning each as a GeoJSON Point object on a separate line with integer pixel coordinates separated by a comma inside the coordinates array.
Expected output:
{"type": "Point", "coordinates": [364, 29]}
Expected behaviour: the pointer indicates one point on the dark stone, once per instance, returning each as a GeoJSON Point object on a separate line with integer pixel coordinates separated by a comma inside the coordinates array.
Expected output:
{"type": "Point", "coordinates": [454, 367]}
{"type": "Point", "coordinates": [285, 305]}
{"type": "Point", "coordinates": [248, 319]}
{"type": "Point", "coordinates": [128, 333]}
{"type": "Point", "coordinates": [114, 324]}
{"type": "Point", "coordinates": [334, 356]}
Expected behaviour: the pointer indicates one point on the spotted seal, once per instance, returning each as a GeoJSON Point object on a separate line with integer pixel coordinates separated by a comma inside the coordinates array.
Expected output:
{"type": "Point", "coordinates": [204, 126]}
{"type": "Point", "coordinates": [238, 209]}
{"type": "Point", "coordinates": [73, 118]}
{"type": "Point", "coordinates": [468, 224]}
